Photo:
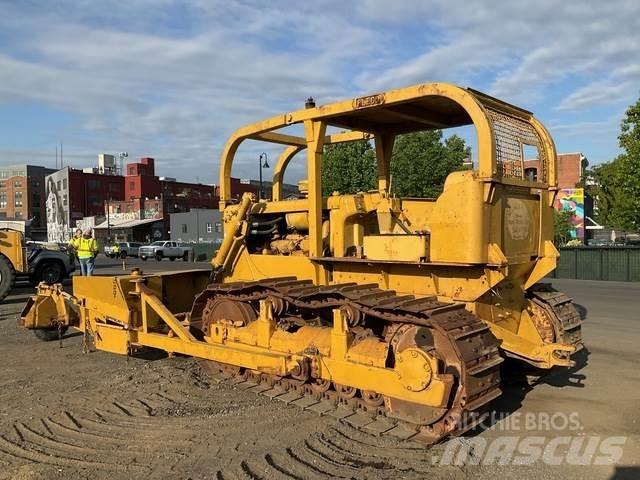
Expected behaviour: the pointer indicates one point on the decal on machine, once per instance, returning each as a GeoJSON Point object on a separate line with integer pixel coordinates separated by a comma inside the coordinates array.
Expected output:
{"type": "Point", "coordinates": [518, 219]}
{"type": "Point", "coordinates": [369, 101]}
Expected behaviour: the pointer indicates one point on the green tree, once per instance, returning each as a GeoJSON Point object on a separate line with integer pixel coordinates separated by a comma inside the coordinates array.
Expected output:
{"type": "Point", "coordinates": [605, 187]}
{"type": "Point", "coordinates": [421, 162]}
{"type": "Point", "coordinates": [562, 226]}
{"type": "Point", "coordinates": [617, 183]}
{"type": "Point", "coordinates": [348, 168]}
{"type": "Point", "coordinates": [626, 212]}
{"type": "Point", "coordinates": [419, 165]}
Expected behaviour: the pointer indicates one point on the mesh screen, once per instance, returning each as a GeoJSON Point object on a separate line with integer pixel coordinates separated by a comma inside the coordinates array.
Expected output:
{"type": "Point", "coordinates": [510, 135]}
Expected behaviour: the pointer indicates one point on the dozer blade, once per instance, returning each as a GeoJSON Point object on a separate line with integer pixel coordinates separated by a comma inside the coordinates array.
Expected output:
{"type": "Point", "coordinates": [50, 307]}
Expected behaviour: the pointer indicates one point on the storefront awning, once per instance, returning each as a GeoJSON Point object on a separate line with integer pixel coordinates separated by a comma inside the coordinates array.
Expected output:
{"type": "Point", "coordinates": [122, 224]}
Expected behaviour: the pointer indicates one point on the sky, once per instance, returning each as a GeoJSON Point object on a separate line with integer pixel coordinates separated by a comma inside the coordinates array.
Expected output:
{"type": "Point", "coordinates": [173, 79]}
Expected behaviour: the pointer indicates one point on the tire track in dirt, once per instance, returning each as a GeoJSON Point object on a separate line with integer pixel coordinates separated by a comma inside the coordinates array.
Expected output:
{"type": "Point", "coordinates": [167, 420]}
{"type": "Point", "coordinates": [123, 438]}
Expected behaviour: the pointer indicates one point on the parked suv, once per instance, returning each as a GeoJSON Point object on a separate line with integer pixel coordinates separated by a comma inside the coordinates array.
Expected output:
{"type": "Point", "coordinates": [164, 249]}
{"type": "Point", "coordinates": [48, 264]}
{"type": "Point", "coordinates": [127, 249]}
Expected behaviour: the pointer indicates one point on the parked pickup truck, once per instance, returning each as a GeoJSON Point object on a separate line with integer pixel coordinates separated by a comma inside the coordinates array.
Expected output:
{"type": "Point", "coordinates": [164, 249]}
{"type": "Point", "coordinates": [125, 249]}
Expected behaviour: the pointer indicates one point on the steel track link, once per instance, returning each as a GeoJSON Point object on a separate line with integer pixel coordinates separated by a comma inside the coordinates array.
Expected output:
{"type": "Point", "coordinates": [562, 312]}
{"type": "Point", "coordinates": [474, 347]}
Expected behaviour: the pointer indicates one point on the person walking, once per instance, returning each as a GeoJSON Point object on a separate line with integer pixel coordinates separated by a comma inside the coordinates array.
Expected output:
{"type": "Point", "coordinates": [87, 250]}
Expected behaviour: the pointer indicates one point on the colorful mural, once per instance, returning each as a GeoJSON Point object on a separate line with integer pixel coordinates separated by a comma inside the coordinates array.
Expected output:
{"type": "Point", "coordinates": [58, 215]}
{"type": "Point", "coordinates": [572, 199]}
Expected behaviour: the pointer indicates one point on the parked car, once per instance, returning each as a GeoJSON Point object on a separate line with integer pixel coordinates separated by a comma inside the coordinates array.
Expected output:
{"type": "Point", "coordinates": [47, 264]}
{"type": "Point", "coordinates": [126, 249]}
{"type": "Point", "coordinates": [165, 249]}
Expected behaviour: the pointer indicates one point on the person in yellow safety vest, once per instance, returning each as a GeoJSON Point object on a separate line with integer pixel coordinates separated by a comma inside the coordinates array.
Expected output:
{"type": "Point", "coordinates": [73, 243]}
{"type": "Point", "coordinates": [87, 250]}
{"type": "Point", "coordinates": [116, 250]}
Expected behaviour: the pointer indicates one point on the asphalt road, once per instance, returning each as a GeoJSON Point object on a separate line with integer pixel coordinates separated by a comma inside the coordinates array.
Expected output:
{"type": "Point", "coordinates": [68, 415]}
{"type": "Point", "coordinates": [108, 266]}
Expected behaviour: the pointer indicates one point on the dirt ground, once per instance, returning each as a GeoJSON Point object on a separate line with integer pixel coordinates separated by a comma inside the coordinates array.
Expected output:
{"type": "Point", "coordinates": [65, 414]}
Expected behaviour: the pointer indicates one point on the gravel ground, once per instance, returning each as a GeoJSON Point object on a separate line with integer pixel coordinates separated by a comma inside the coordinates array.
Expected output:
{"type": "Point", "coordinates": [65, 414]}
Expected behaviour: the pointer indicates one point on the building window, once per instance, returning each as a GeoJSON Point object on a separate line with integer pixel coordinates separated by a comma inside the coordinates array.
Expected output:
{"type": "Point", "coordinates": [35, 199]}
{"type": "Point", "coordinates": [35, 184]}
{"type": "Point", "coordinates": [64, 200]}
{"type": "Point", "coordinates": [4, 174]}
{"type": "Point", "coordinates": [3, 214]}
{"type": "Point", "coordinates": [18, 173]}
{"type": "Point", "coordinates": [3, 184]}
{"type": "Point", "coordinates": [184, 228]}
{"type": "Point", "coordinates": [3, 200]}
{"type": "Point", "coordinates": [17, 184]}
{"type": "Point", "coordinates": [18, 199]}
{"type": "Point", "coordinates": [91, 184]}
{"type": "Point", "coordinates": [132, 185]}
{"type": "Point", "coordinates": [64, 183]}
{"type": "Point", "coordinates": [18, 214]}
{"type": "Point", "coordinates": [209, 227]}
{"type": "Point", "coordinates": [58, 185]}
{"type": "Point", "coordinates": [218, 227]}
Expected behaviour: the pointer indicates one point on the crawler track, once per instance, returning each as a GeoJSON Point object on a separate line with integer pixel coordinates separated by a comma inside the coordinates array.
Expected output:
{"type": "Point", "coordinates": [464, 343]}
{"type": "Point", "coordinates": [566, 320]}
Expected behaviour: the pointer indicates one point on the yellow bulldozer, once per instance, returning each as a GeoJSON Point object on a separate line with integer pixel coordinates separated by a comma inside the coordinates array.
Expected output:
{"type": "Point", "coordinates": [393, 313]}
{"type": "Point", "coordinates": [13, 259]}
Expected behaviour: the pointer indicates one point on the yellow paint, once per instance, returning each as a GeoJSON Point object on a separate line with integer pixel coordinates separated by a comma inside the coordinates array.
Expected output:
{"type": "Point", "coordinates": [399, 248]}
{"type": "Point", "coordinates": [482, 243]}
{"type": "Point", "coordinates": [13, 249]}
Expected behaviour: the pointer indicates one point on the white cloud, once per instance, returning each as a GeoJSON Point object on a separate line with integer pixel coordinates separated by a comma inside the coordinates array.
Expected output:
{"type": "Point", "coordinates": [523, 48]}
{"type": "Point", "coordinates": [617, 87]}
{"type": "Point", "coordinates": [176, 96]}
{"type": "Point", "coordinates": [173, 79]}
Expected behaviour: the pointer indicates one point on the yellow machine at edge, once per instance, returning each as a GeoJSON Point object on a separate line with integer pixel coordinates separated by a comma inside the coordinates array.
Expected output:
{"type": "Point", "coordinates": [13, 259]}
{"type": "Point", "coordinates": [399, 309]}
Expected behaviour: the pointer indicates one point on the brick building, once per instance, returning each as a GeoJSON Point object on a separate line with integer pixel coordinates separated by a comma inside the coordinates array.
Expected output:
{"type": "Point", "coordinates": [571, 167]}
{"type": "Point", "coordinates": [142, 212]}
{"type": "Point", "coordinates": [141, 180]}
{"type": "Point", "coordinates": [73, 194]}
{"type": "Point", "coordinates": [571, 194]}
{"type": "Point", "coordinates": [22, 196]}
{"type": "Point", "coordinates": [135, 220]}
{"type": "Point", "coordinates": [138, 204]}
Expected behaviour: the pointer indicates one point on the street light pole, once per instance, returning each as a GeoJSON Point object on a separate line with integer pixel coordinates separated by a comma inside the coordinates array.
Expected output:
{"type": "Point", "coordinates": [262, 165]}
